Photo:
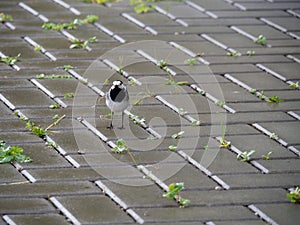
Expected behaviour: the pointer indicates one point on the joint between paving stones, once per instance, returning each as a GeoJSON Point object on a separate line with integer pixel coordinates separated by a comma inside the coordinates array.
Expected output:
{"type": "Point", "coordinates": [8, 220]}
{"type": "Point", "coordinates": [67, 6]}
{"type": "Point", "coordinates": [119, 202]}
{"type": "Point", "coordinates": [14, 66]}
{"type": "Point", "coordinates": [201, 9]}
{"type": "Point", "coordinates": [261, 214]}
{"type": "Point", "coordinates": [64, 211]}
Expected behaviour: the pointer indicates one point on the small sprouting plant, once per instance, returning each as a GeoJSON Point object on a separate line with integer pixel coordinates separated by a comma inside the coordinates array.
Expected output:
{"type": "Point", "coordinates": [182, 112]}
{"type": "Point", "coordinates": [78, 43]}
{"type": "Point", "coordinates": [5, 17]}
{"type": "Point", "coordinates": [171, 81]}
{"type": "Point", "coordinates": [51, 144]}
{"type": "Point", "coordinates": [173, 193]}
{"type": "Point", "coordinates": [38, 131]}
{"type": "Point", "coordinates": [220, 103]}
{"type": "Point", "coordinates": [295, 85]}
{"type": "Point", "coordinates": [12, 154]}
{"type": "Point", "coordinates": [68, 67]}
{"type": "Point", "coordinates": [294, 196]}
{"type": "Point", "coordinates": [195, 123]}
{"type": "Point", "coordinates": [274, 98]}
{"type": "Point", "coordinates": [120, 146]}
{"type": "Point", "coordinates": [136, 119]}
{"type": "Point", "coordinates": [191, 61]}
{"type": "Point", "coordinates": [178, 135]}
{"type": "Point", "coordinates": [253, 91]}
{"type": "Point", "coordinates": [245, 156]}
{"type": "Point", "coordinates": [53, 76]}
{"type": "Point", "coordinates": [262, 95]}
{"type": "Point", "coordinates": [223, 142]}
{"type": "Point", "coordinates": [142, 6]}
{"type": "Point", "coordinates": [90, 19]}
{"type": "Point", "coordinates": [234, 54]}
{"type": "Point", "coordinates": [250, 53]}
{"type": "Point", "coordinates": [69, 95]}
{"type": "Point", "coordinates": [172, 148]}
{"type": "Point", "coordinates": [273, 136]}
{"type": "Point", "coordinates": [38, 48]}
{"type": "Point", "coordinates": [162, 63]}
{"type": "Point", "coordinates": [205, 147]}
{"type": "Point", "coordinates": [55, 117]}
{"type": "Point", "coordinates": [54, 106]}
{"type": "Point", "coordinates": [10, 60]}
{"type": "Point", "coordinates": [261, 39]}
{"type": "Point", "coordinates": [100, 2]}
{"type": "Point", "coordinates": [267, 156]}
{"type": "Point", "coordinates": [72, 25]}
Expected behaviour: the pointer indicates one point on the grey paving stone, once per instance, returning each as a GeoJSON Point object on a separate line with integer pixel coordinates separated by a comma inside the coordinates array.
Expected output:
{"type": "Point", "coordinates": [191, 177]}
{"type": "Point", "coordinates": [47, 189]}
{"type": "Point", "coordinates": [225, 162]}
{"type": "Point", "coordinates": [233, 40]}
{"type": "Point", "coordinates": [154, 18]}
{"type": "Point", "coordinates": [286, 95]}
{"type": "Point", "coordinates": [267, 5]}
{"type": "Point", "coordinates": [5, 112]}
{"type": "Point", "coordinates": [221, 22]}
{"type": "Point", "coordinates": [27, 97]}
{"type": "Point", "coordinates": [282, 165]}
{"type": "Point", "coordinates": [19, 137]}
{"type": "Point", "coordinates": [269, 32]}
{"type": "Point", "coordinates": [215, 5]}
{"type": "Point", "coordinates": [237, 222]}
{"type": "Point", "coordinates": [9, 174]}
{"type": "Point", "coordinates": [288, 70]}
{"type": "Point", "coordinates": [260, 81]}
{"type": "Point", "coordinates": [261, 144]}
{"type": "Point", "coordinates": [24, 205]}
{"type": "Point", "coordinates": [276, 210]}
{"type": "Point", "coordinates": [43, 156]}
{"type": "Point", "coordinates": [232, 68]}
{"type": "Point", "coordinates": [261, 180]}
{"type": "Point", "coordinates": [149, 196]}
{"type": "Point", "coordinates": [264, 106]}
{"type": "Point", "coordinates": [236, 197]}
{"type": "Point", "coordinates": [192, 214]}
{"type": "Point", "coordinates": [253, 14]}
{"type": "Point", "coordinates": [94, 211]}
{"type": "Point", "coordinates": [290, 23]}
{"type": "Point", "coordinates": [65, 174]}
{"type": "Point", "coordinates": [36, 219]}
{"type": "Point", "coordinates": [190, 30]}
{"type": "Point", "coordinates": [288, 131]}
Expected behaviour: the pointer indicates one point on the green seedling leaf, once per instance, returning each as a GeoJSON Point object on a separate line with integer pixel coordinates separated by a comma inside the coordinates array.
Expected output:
{"type": "Point", "coordinates": [245, 156]}
{"type": "Point", "coordinates": [172, 148]}
{"type": "Point", "coordinates": [5, 17]}
{"type": "Point", "coordinates": [196, 123]}
{"type": "Point", "coordinates": [261, 40]}
{"type": "Point", "coordinates": [51, 144]}
{"type": "Point", "coordinates": [53, 76]}
{"type": "Point", "coordinates": [191, 61]}
{"type": "Point", "coordinates": [224, 143]}
{"type": "Point", "coordinates": [55, 106]}
{"type": "Point", "coordinates": [68, 67]}
{"type": "Point", "coordinates": [294, 196]}
{"type": "Point", "coordinates": [38, 48]}
{"type": "Point", "coordinates": [184, 202]}
{"type": "Point", "coordinates": [12, 154]}
{"type": "Point", "coordinates": [68, 95]}
{"type": "Point", "coordinates": [220, 103]}
{"type": "Point", "coordinates": [267, 157]}
{"type": "Point", "coordinates": [177, 135]}
{"type": "Point", "coordinates": [274, 98]}
{"type": "Point", "coordinates": [120, 146]}
{"type": "Point", "coordinates": [274, 136]}
{"type": "Point", "coordinates": [38, 131]}
{"type": "Point", "coordinates": [174, 189]}
{"type": "Point", "coordinates": [55, 117]}
{"type": "Point", "coordinates": [182, 112]}
{"type": "Point", "coordinates": [10, 60]}
{"type": "Point", "coordinates": [234, 54]}
{"type": "Point", "coordinates": [250, 53]}
{"type": "Point", "coordinates": [295, 85]}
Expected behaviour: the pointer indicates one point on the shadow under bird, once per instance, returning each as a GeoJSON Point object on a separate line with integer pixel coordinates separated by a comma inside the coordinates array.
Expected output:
{"type": "Point", "coordinates": [117, 100]}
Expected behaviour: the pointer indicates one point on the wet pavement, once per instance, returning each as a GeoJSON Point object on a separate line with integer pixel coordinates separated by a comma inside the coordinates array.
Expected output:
{"type": "Point", "coordinates": [194, 66]}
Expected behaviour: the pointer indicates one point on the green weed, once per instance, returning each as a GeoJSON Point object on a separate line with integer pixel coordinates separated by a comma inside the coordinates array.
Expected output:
{"type": "Point", "coordinates": [173, 193]}
{"type": "Point", "coordinates": [120, 146]}
{"type": "Point", "coordinates": [12, 154]}
{"type": "Point", "coordinates": [172, 148]}
{"type": "Point", "coordinates": [267, 156]}
{"type": "Point", "coordinates": [53, 76]}
{"type": "Point", "coordinates": [5, 17]}
{"type": "Point", "coordinates": [78, 43]}
{"type": "Point", "coordinates": [38, 131]}
{"type": "Point", "coordinates": [245, 156]}
{"type": "Point", "coordinates": [294, 196]}
{"type": "Point", "coordinates": [191, 61]}
{"type": "Point", "coordinates": [261, 40]}
{"type": "Point", "coordinates": [178, 135]}
{"type": "Point", "coordinates": [10, 60]}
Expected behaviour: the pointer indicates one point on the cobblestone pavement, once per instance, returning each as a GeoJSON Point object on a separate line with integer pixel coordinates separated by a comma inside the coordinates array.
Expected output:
{"type": "Point", "coordinates": [195, 66]}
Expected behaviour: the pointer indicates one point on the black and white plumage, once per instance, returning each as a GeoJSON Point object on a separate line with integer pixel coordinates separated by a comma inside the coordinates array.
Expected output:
{"type": "Point", "coordinates": [117, 99]}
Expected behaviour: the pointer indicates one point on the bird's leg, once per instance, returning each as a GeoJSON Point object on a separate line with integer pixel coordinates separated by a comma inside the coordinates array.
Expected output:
{"type": "Point", "coordinates": [122, 127]}
{"type": "Point", "coordinates": [111, 122]}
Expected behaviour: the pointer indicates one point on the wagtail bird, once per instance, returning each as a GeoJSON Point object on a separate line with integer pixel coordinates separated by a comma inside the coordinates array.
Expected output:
{"type": "Point", "coordinates": [117, 99]}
